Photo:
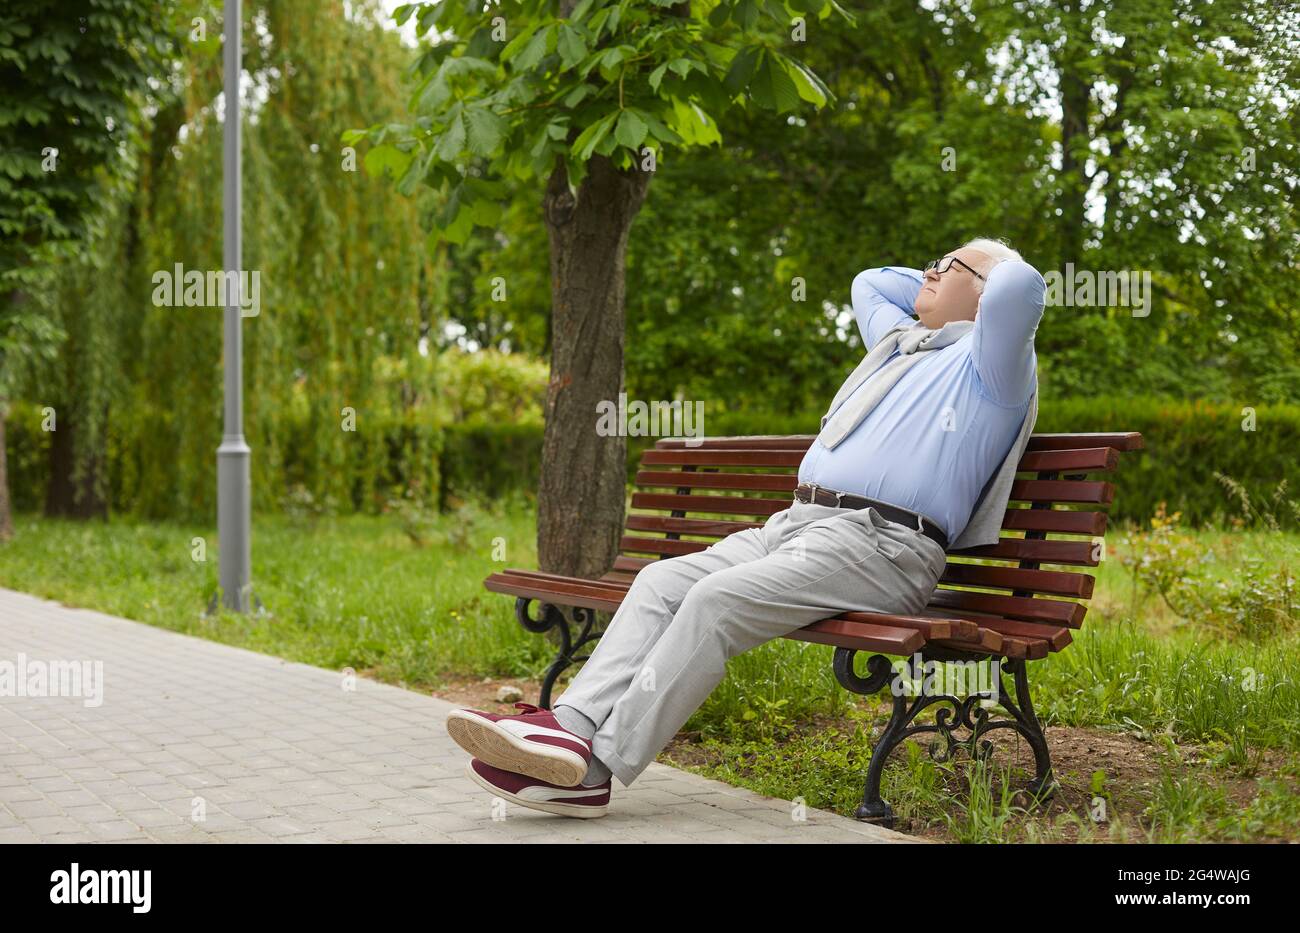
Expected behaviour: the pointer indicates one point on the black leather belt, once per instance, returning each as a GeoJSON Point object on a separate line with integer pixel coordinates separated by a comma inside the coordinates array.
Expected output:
{"type": "Point", "coordinates": [811, 493]}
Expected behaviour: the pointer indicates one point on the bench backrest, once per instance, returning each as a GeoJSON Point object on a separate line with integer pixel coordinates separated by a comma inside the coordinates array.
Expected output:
{"type": "Point", "coordinates": [686, 497]}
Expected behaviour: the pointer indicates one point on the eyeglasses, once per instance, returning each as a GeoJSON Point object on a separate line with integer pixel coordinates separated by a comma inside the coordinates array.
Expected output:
{"type": "Point", "coordinates": [940, 266]}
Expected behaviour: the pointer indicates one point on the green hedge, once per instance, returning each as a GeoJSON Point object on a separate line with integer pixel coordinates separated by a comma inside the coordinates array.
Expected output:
{"type": "Point", "coordinates": [1186, 442]}
{"type": "Point", "coordinates": [490, 458]}
{"type": "Point", "coordinates": [315, 464]}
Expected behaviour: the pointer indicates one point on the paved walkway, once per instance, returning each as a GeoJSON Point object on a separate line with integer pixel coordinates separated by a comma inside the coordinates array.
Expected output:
{"type": "Point", "coordinates": [200, 742]}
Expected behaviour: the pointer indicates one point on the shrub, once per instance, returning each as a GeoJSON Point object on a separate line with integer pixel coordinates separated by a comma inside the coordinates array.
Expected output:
{"type": "Point", "coordinates": [1198, 459]}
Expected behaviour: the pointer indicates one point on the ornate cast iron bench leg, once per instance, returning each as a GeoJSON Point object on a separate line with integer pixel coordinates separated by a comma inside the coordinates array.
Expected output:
{"type": "Point", "coordinates": [960, 715]}
{"type": "Point", "coordinates": [553, 617]}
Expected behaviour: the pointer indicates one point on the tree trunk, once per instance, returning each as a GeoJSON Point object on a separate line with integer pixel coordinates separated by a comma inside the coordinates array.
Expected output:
{"type": "Point", "coordinates": [583, 475]}
{"type": "Point", "coordinates": [6, 507]}
{"type": "Point", "coordinates": [1076, 91]}
{"type": "Point", "coordinates": [73, 490]}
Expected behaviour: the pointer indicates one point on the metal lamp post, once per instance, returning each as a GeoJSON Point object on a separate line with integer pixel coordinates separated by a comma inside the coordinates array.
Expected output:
{"type": "Point", "coordinates": [234, 517]}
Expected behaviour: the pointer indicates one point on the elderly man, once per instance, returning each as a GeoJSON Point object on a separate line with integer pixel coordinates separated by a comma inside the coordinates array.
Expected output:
{"type": "Point", "coordinates": [918, 449]}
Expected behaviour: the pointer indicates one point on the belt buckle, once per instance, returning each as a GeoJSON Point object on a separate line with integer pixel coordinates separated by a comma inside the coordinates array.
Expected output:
{"type": "Point", "coordinates": [812, 495]}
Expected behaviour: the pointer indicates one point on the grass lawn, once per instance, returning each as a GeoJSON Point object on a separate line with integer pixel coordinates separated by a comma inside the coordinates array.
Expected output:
{"type": "Point", "coordinates": [348, 592]}
{"type": "Point", "coordinates": [1163, 727]}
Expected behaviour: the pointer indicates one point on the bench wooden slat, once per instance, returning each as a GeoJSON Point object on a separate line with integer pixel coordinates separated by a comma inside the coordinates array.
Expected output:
{"type": "Point", "coordinates": [711, 457]}
{"type": "Point", "coordinates": [714, 528]}
{"type": "Point", "coordinates": [1082, 460]}
{"type": "Point", "coordinates": [625, 564]}
{"type": "Point", "coordinates": [618, 576]}
{"type": "Point", "coordinates": [886, 639]}
{"type": "Point", "coordinates": [1054, 582]}
{"type": "Point", "coordinates": [558, 578]}
{"type": "Point", "coordinates": [750, 442]}
{"type": "Point", "coordinates": [767, 482]}
{"type": "Point", "coordinates": [674, 547]}
{"type": "Point", "coordinates": [1056, 637]}
{"type": "Point", "coordinates": [1024, 490]}
{"type": "Point", "coordinates": [1027, 608]}
{"type": "Point", "coordinates": [1063, 490]}
{"type": "Point", "coordinates": [1060, 521]}
{"type": "Point", "coordinates": [713, 505]}
{"type": "Point", "coordinates": [933, 627]}
{"type": "Point", "coordinates": [605, 600]}
{"type": "Point", "coordinates": [559, 584]}
{"type": "Point", "coordinates": [1078, 553]}
{"type": "Point", "coordinates": [1029, 649]}
{"type": "Point", "coordinates": [1122, 441]}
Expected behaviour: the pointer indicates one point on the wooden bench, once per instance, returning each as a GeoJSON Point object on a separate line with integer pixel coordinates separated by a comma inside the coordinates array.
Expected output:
{"type": "Point", "coordinates": [996, 602]}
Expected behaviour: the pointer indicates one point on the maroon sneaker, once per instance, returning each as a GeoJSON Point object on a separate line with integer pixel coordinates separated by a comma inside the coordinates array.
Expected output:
{"type": "Point", "coordinates": [585, 803]}
{"type": "Point", "coordinates": [532, 742]}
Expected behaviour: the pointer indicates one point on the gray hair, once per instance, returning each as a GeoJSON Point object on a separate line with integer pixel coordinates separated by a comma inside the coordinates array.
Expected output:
{"type": "Point", "coordinates": [997, 251]}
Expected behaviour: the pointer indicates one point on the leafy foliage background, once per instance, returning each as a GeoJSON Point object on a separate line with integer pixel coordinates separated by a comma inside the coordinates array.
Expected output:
{"type": "Point", "coordinates": [1146, 135]}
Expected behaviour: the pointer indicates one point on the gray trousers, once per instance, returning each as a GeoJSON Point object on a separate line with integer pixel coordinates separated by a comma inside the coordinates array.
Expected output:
{"type": "Point", "coordinates": [667, 646]}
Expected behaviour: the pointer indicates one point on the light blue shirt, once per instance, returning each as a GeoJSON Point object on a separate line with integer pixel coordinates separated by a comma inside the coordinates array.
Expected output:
{"type": "Point", "coordinates": [941, 432]}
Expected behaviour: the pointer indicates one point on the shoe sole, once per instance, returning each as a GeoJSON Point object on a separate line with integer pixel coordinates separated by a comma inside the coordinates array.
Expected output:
{"type": "Point", "coordinates": [493, 745]}
{"type": "Point", "coordinates": [586, 811]}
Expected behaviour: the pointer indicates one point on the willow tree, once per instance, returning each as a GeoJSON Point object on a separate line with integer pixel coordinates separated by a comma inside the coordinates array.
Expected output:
{"type": "Point", "coordinates": [73, 85]}
{"type": "Point", "coordinates": [582, 98]}
{"type": "Point", "coordinates": [341, 269]}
